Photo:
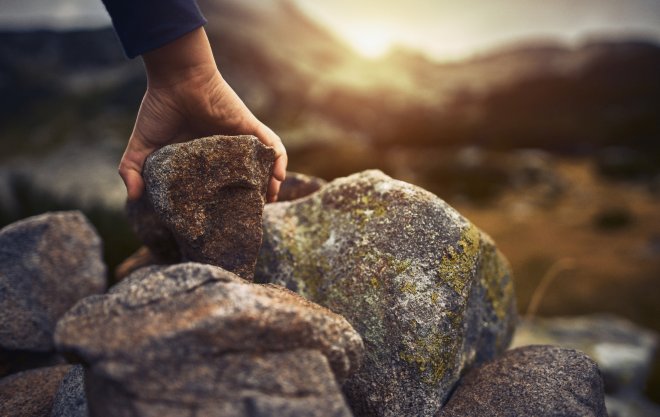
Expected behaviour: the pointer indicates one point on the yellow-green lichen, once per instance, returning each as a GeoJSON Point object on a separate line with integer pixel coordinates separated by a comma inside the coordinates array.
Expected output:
{"type": "Point", "coordinates": [495, 277]}
{"type": "Point", "coordinates": [409, 287]}
{"type": "Point", "coordinates": [435, 297]}
{"type": "Point", "coordinates": [431, 356]}
{"type": "Point", "coordinates": [457, 266]}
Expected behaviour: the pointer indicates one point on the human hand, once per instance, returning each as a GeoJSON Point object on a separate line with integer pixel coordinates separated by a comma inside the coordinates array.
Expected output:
{"type": "Point", "coordinates": [187, 98]}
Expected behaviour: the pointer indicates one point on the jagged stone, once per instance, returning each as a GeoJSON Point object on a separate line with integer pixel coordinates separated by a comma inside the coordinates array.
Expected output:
{"type": "Point", "coordinates": [70, 399]}
{"type": "Point", "coordinates": [168, 340]}
{"type": "Point", "coordinates": [30, 393]}
{"type": "Point", "coordinates": [210, 194]}
{"type": "Point", "coordinates": [540, 381]}
{"type": "Point", "coordinates": [47, 263]}
{"type": "Point", "coordinates": [428, 292]}
{"type": "Point", "coordinates": [297, 186]}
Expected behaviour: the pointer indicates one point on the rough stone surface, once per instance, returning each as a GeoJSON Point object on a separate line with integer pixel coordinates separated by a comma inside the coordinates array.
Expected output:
{"type": "Point", "coordinates": [624, 353]}
{"type": "Point", "coordinates": [70, 399]}
{"type": "Point", "coordinates": [539, 381]}
{"type": "Point", "coordinates": [210, 194]}
{"type": "Point", "coordinates": [297, 186]}
{"type": "Point", "coordinates": [47, 263]}
{"type": "Point", "coordinates": [428, 292]}
{"type": "Point", "coordinates": [169, 340]}
{"type": "Point", "coordinates": [30, 393]}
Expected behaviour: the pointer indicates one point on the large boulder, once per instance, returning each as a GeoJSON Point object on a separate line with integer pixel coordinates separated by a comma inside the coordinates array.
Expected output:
{"type": "Point", "coordinates": [209, 195]}
{"type": "Point", "coordinates": [540, 381]}
{"type": "Point", "coordinates": [30, 393]}
{"type": "Point", "coordinates": [47, 264]}
{"type": "Point", "coordinates": [428, 291]}
{"type": "Point", "coordinates": [169, 340]}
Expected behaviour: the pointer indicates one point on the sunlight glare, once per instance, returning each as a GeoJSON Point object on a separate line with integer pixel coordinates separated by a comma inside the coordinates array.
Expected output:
{"type": "Point", "coordinates": [371, 43]}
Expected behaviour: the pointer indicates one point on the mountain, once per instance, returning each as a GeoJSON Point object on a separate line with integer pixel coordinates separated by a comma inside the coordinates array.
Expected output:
{"type": "Point", "coordinates": [323, 97]}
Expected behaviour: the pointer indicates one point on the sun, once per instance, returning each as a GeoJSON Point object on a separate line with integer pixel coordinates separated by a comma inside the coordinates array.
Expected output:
{"type": "Point", "coordinates": [370, 42]}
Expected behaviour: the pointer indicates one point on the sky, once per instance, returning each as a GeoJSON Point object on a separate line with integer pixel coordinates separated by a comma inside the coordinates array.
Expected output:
{"type": "Point", "coordinates": [443, 29]}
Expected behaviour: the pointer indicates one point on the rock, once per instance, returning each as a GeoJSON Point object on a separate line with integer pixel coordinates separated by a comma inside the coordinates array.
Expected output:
{"type": "Point", "coordinates": [297, 186]}
{"type": "Point", "coordinates": [70, 399]}
{"type": "Point", "coordinates": [623, 351]}
{"type": "Point", "coordinates": [210, 194]}
{"type": "Point", "coordinates": [169, 340]}
{"type": "Point", "coordinates": [428, 292]}
{"type": "Point", "coordinates": [47, 263]}
{"type": "Point", "coordinates": [141, 258]}
{"type": "Point", "coordinates": [30, 393]}
{"type": "Point", "coordinates": [534, 381]}
{"type": "Point", "coordinates": [151, 230]}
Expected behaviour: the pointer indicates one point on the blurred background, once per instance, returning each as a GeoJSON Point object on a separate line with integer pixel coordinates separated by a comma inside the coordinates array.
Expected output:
{"type": "Point", "coordinates": [540, 122]}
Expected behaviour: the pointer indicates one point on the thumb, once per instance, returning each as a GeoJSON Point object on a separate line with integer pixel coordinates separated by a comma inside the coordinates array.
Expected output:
{"type": "Point", "coordinates": [130, 167]}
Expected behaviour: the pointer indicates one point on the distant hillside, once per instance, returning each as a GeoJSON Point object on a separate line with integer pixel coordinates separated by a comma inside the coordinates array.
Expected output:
{"type": "Point", "coordinates": [319, 95]}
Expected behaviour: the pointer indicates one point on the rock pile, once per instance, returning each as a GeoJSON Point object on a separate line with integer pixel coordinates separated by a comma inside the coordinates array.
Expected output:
{"type": "Point", "coordinates": [398, 296]}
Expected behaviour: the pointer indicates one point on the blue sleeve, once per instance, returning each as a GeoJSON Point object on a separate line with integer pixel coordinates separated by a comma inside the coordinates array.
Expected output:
{"type": "Point", "coordinates": [144, 25]}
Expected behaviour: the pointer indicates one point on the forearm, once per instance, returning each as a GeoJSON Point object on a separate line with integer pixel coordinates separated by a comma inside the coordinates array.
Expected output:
{"type": "Point", "coordinates": [187, 57]}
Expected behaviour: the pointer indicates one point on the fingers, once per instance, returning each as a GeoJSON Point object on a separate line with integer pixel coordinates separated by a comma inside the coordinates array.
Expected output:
{"type": "Point", "coordinates": [273, 190]}
{"type": "Point", "coordinates": [130, 167]}
{"type": "Point", "coordinates": [133, 182]}
{"type": "Point", "coordinates": [269, 138]}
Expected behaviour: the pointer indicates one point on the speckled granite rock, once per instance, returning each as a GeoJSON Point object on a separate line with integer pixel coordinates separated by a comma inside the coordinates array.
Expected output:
{"type": "Point", "coordinates": [209, 193]}
{"type": "Point", "coordinates": [30, 393]}
{"type": "Point", "coordinates": [539, 381]}
{"type": "Point", "coordinates": [428, 292]}
{"type": "Point", "coordinates": [624, 353]}
{"type": "Point", "coordinates": [297, 186]}
{"type": "Point", "coordinates": [70, 399]}
{"type": "Point", "coordinates": [47, 263]}
{"type": "Point", "coordinates": [169, 340]}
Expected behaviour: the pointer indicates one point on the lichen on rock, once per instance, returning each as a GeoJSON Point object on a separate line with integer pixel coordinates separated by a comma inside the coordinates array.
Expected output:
{"type": "Point", "coordinates": [427, 290]}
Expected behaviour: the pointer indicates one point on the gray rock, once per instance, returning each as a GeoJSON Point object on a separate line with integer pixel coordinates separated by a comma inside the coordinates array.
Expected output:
{"type": "Point", "coordinates": [297, 186]}
{"type": "Point", "coordinates": [534, 381]}
{"type": "Point", "coordinates": [47, 263]}
{"type": "Point", "coordinates": [633, 405]}
{"type": "Point", "coordinates": [30, 393]}
{"type": "Point", "coordinates": [170, 340]}
{"type": "Point", "coordinates": [70, 399]}
{"type": "Point", "coordinates": [209, 193]}
{"type": "Point", "coordinates": [623, 351]}
{"type": "Point", "coordinates": [428, 292]}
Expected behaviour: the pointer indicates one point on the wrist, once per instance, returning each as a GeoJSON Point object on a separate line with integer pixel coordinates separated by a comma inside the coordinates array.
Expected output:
{"type": "Point", "coordinates": [186, 58]}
